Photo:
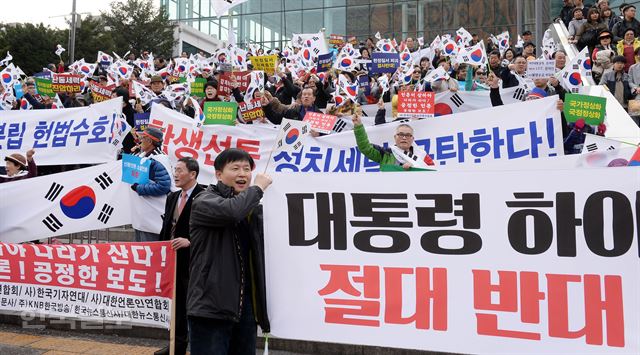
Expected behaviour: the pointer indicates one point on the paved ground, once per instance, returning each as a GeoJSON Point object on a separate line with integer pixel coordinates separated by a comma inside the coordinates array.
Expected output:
{"type": "Point", "coordinates": [17, 341]}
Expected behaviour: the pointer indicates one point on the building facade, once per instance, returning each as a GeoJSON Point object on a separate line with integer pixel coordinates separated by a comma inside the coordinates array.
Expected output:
{"type": "Point", "coordinates": [272, 22]}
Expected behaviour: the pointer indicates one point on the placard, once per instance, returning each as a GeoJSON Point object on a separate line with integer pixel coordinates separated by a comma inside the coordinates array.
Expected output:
{"type": "Point", "coordinates": [44, 87]}
{"type": "Point", "coordinates": [224, 84]}
{"type": "Point", "coordinates": [69, 83]}
{"type": "Point", "coordinates": [416, 104]}
{"type": "Point", "coordinates": [591, 108]}
{"type": "Point", "coordinates": [141, 121]}
{"type": "Point", "coordinates": [320, 122]}
{"type": "Point", "coordinates": [99, 92]}
{"type": "Point", "coordinates": [135, 170]}
{"type": "Point", "coordinates": [336, 40]}
{"type": "Point", "coordinates": [223, 113]}
{"type": "Point", "coordinates": [324, 62]}
{"type": "Point", "coordinates": [384, 62]}
{"type": "Point", "coordinates": [266, 63]}
{"type": "Point", "coordinates": [252, 110]}
{"type": "Point", "coordinates": [541, 69]}
{"type": "Point", "coordinates": [197, 87]}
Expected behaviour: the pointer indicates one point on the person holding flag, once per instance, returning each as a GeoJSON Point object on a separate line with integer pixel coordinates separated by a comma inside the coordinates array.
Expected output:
{"type": "Point", "coordinates": [405, 154]}
{"type": "Point", "coordinates": [18, 167]}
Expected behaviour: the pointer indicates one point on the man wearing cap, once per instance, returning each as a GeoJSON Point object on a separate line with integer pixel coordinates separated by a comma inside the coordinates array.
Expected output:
{"type": "Point", "coordinates": [149, 207]}
{"type": "Point", "coordinates": [18, 167]}
{"type": "Point", "coordinates": [628, 21]}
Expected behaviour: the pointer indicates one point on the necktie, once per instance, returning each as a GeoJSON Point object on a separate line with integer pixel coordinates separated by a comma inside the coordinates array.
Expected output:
{"type": "Point", "coordinates": [183, 201]}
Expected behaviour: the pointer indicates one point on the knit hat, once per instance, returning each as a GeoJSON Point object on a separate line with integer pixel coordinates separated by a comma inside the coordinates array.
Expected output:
{"type": "Point", "coordinates": [17, 159]}
{"type": "Point", "coordinates": [154, 133]}
{"type": "Point", "coordinates": [537, 93]}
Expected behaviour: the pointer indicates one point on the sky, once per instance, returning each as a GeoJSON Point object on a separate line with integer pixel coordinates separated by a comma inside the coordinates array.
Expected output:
{"type": "Point", "coordinates": [50, 12]}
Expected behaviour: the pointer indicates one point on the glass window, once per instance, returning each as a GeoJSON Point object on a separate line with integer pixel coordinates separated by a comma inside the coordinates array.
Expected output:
{"type": "Point", "coordinates": [483, 13]}
{"type": "Point", "coordinates": [293, 22]}
{"type": "Point", "coordinates": [251, 7]}
{"type": "Point", "coordinates": [358, 23]}
{"type": "Point", "coordinates": [312, 21]}
{"type": "Point", "coordinates": [273, 22]}
{"type": "Point", "coordinates": [311, 4]}
{"type": "Point", "coordinates": [292, 4]}
{"type": "Point", "coordinates": [381, 19]}
{"type": "Point", "coordinates": [329, 3]}
{"type": "Point", "coordinates": [335, 20]}
{"type": "Point", "coordinates": [271, 5]}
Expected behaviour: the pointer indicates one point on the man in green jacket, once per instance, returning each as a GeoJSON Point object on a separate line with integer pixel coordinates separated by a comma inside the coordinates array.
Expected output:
{"type": "Point", "coordinates": [404, 154]}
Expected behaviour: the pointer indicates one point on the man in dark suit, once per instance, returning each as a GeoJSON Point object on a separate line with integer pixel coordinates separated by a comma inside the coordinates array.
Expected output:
{"type": "Point", "coordinates": [175, 227]}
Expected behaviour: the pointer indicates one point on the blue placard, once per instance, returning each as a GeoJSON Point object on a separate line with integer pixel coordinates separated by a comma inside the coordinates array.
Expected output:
{"type": "Point", "coordinates": [134, 170]}
{"type": "Point", "coordinates": [140, 121]}
{"type": "Point", "coordinates": [384, 62]}
{"type": "Point", "coordinates": [18, 90]}
{"type": "Point", "coordinates": [324, 62]}
{"type": "Point", "coordinates": [43, 75]}
{"type": "Point", "coordinates": [363, 82]}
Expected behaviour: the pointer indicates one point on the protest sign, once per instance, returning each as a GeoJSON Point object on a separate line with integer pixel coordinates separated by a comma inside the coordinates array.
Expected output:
{"type": "Point", "coordinates": [320, 122]}
{"type": "Point", "coordinates": [114, 283]}
{"type": "Point", "coordinates": [384, 62]}
{"type": "Point", "coordinates": [252, 110]}
{"type": "Point", "coordinates": [590, 108]}
{"type": "Point", "coordinates": [336, 40]}
{"type": "Point", "coordinates": [69, 83]}
{"type": "Point", "coordinates": [541, 69]}
{"type": "Point", "coordinates": [135, 170]}
{"type": "Point", "coordinates": [510, 268]}
{"type": "Point", "coordinates": [141, 121]}
{"type": "Point", "coordinates": [353, 40]}
{"type": "Point", "coordinates": [364, 83]}
{"type": "Point", "coordinates": [83, 135]}
{"type": "Point", "coordinates": [216, 112]}
{"type": "Point", "coordinates": [325, 61]}
{"type": "Point", "coordinates": [224, 85]}
{"type": "Point", "coordinates": [197, 87]}
{"type": "Point", "coordinates": [265, 63]}
{"type": "Point", "coordinates": [99, 92]}
{"type": "Point", "coordinates": [44, 88]}
{"type": "Point", "coordinates": [74, 201]}
{"type": "Point", "coordinates": [416, 104]}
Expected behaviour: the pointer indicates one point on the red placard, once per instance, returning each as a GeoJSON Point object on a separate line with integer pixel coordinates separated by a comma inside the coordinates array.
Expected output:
{"type": "Point", "coordinates": [335, 39]}
{"type": "Point", "coordinates": [416, 104]}
{"type": "Point", "coordinates": [251, 111]}
{"type": "Point", "coordinates": [65, 82]}
{"type": "Point", "coordinates": [321, 122]}
{"type": "Point", "coordinates": [99, 92]}
{"type": "Point", "coordinates": [224, 85]}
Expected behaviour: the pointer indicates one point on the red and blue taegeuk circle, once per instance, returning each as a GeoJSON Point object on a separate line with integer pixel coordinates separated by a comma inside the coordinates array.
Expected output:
{"type": "Point", "coordinates": [79, 202]}
{"type": "Point", "coordinates": [441, 109]}
{"type": "Point", "coordinates": [575, 79]}
{"type": "Point", "coordinates": [476, 55]}
{"type": "Point", "coordinates": [292, 136]}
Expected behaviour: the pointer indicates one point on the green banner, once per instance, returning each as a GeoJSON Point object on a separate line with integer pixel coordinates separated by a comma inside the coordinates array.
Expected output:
{"type": "Point", "coordinates": [43, 87]}
{"type": "Point", "coordinates": [197, 87]}
{"type": "Point", "coordinates": [220, 113]}
{"type": "Point", "coordinates": [591, 108]}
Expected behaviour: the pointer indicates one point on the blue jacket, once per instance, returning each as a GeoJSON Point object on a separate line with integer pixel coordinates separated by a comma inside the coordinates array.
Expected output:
{"type": "Point", "coordinates": [159, 180]}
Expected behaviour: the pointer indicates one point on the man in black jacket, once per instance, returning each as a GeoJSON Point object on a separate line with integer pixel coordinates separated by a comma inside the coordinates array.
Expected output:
{"type": "Point", "coordinates": [227, 286]}
{"type": "Point", "coordinates": [175, 227]}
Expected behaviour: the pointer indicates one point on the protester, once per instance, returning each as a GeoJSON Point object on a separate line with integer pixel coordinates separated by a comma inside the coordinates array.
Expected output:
{"type": "Point", "coordinates": [175, 227]}
{"type": "Point", "coordinates": [587, 34]}
{"type": "Point", "coordinates": [155, 191]}
{"type": "Point", "coordinates": [628, 21]}
{"type": "Point", "coordinates": [608, 17]}
{"type": "Point", "coordinates": [575, 24]}
{"type": "Point", "coordinates": [226, 295]}
{"type": "Point", "coordinates": [618, 81]}
{"type": "Point", "coordinates": [566, 13]}
{"type": "Point", "coordinates": [276, 111]}
{"type": "Point", "coordinates": [602, 55]}
{"type": "Point", "coordinates": [18, 167]}
{"type": "Point", "coordinates": [627, 46]}
{"type": "Point", "coordinates": [399, 155]}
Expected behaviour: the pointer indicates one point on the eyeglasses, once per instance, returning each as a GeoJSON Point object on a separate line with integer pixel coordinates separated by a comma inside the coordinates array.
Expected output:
{"type": "Point", "coordinates": [481, 73]}
{"type": "Point", "coordinates": [404, 135]}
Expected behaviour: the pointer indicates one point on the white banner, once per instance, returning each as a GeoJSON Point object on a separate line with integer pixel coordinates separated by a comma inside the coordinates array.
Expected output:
{"type": "Point", "coordinates": [69, 202]}
{"type": "Point", "coordinates": [84, 135]}
{"type": "Point", "coordinates": [535, 262]}
{"type": "Point", "coordinates": [465, 138]}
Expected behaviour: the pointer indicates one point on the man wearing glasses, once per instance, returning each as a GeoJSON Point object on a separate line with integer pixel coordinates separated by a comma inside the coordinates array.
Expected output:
{"type": "Point", "coordinates": [405, 153]}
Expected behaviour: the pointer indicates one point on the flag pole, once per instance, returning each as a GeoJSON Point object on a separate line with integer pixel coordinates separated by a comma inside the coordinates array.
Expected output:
{"type": "Point", "coordinates": [172, 330]}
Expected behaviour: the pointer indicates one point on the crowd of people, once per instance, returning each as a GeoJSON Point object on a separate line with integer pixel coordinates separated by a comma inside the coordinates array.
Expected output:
{"type": "Point", "coordinates": [229, 212]}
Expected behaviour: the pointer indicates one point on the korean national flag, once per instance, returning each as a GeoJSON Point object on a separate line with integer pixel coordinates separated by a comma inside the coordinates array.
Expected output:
{"type": "Point", "coordinates": [70, 202]}
{"type": "Point", "coordinates": [291, 135]}
{"type": "Point", "coordinates": [474, 55]}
